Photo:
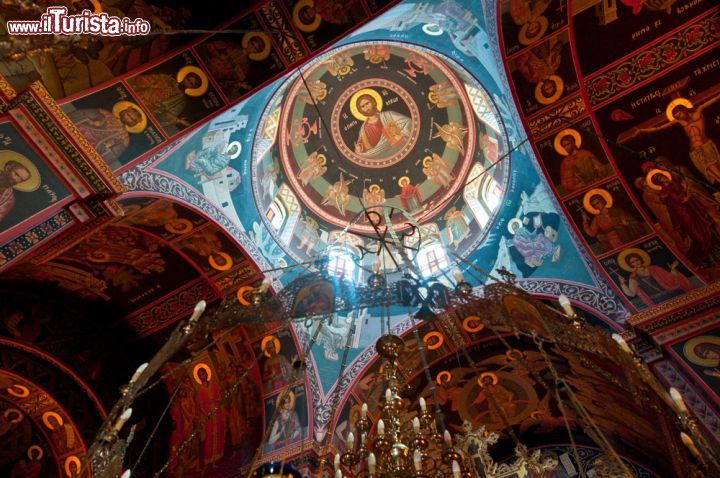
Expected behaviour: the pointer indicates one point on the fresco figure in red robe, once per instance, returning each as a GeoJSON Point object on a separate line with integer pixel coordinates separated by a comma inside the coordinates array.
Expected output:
{"type": "Point", "coordinates": [409, 195]}
{"type": "Point", "coordinates": [381, 131]}
{"type": "Point", "coordinates": [213, 433]}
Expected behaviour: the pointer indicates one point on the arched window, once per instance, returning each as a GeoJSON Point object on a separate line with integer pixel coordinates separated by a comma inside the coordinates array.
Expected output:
{"type": "Point", "coordinates": [431, 256]}
{"type": "Point", "coordinates": [482, 194]}
{"type": "Point", "coordinates": [276, 214]}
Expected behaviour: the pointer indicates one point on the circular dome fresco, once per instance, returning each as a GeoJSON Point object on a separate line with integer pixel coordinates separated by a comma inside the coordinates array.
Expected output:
{"type": "Point", "coordinates": [379, 127]}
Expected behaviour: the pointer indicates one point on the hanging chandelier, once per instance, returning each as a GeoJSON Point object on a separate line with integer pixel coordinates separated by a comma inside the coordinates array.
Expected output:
{"type": "Point", "coordinates": [403, 447]}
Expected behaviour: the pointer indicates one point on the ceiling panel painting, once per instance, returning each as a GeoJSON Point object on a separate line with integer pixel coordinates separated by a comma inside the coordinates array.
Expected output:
{"type": "Point", "coordinates": [407, 113]}
{"type": "Point", "coordinates": [641, 200]}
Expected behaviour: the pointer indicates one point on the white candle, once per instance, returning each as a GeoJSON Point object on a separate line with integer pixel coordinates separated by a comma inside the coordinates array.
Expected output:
{"type": "Point", "coordinates": [376, 266]}
{"type": "Point", "coordinates": [447, 438]}
{"type": "Point", "coordinates": [566, 305]}
{"type": "Point", "coordinates": [459, 276]}
{"type": "Point", "coordinates": [371, 462]}
{"type": "Point", "coordinates": [337, 461]}
{"type": "Point", "coordinates": [621, 341]}
{"type": "Point", "coordinates": [423, 405]}
{"type": "Point", "coordinates": [688, 442]}
{"type": "Point", "coordinates": [363, 410]}
{"type": "Point", "coordinates": [123, 418]}
{"type": "Point", "coordinates": [388, 395]}
{"type": "Point", "coordinates": [416, 424]}
{"type": "Point", "coordinates": [126, 474]}
{"type": "Point", "coordinates": [350, 442]}
{"type": "Point", "coordinates": [456, 469]}
{"type": "Point", "coordinates": [678, 400]}
{"type": "Point", "coordinates": [198, 310]}
{"type": "Point", "coordinates": [138, 372]}
{"type": "Point", "coordinates": [266, 283]}
{"type": "Point", "coordinates": [338, 474]}
{"type": "Point", "coordinates": [381, 427]}
{"type": "Point", "coordinates": [417, 460]}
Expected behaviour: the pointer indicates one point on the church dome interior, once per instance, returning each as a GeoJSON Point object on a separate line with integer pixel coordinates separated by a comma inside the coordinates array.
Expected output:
{"type": "Point", "coordinates": [360, 239]}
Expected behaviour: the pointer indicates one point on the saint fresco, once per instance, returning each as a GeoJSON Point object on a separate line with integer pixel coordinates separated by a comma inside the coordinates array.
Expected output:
{"type": "Point", "coordinates": [525, 22]}
{"type": "Point", "coordinates": [114, 124]}
{"type": "Point", "coordinates": [606, 217]}
{"type": "Point", "coordinates": [177, 93]}
{"type": "Point", "coordinates": [241, 63]}
{"type": "Point", "coordinates": [649, 274]}
{"type": "Point", "coordinates": [700, 355]}
{"type": "Point", "coordinates": [321, 21]}
{"type": "Point", "coordinates": [664, 137]}
{"type": "Point", "coordinates": [27, 185]}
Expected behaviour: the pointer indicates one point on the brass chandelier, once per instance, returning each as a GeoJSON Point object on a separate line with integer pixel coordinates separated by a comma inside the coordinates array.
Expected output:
{"type": "Point", "coordinates": [404, 447]}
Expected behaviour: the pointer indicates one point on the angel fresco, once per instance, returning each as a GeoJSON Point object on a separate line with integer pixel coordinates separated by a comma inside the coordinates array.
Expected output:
{"type": "Point", "coordinates": [536, 246]}
{"type": "Point", "coordinates": [313, 168]}
{"type": "Point", "coordinates": [453, 134]}
{"type": "Point", "coordinates": [690, 116]}
{"type": "Point", "coordinates": [456, 226]}
{"type": "Point", "coordinates": [373, 198]}
{"type": "Point", "coordinates": [437, 170]}
{"type": "Point", "coordinates": [337, 195]}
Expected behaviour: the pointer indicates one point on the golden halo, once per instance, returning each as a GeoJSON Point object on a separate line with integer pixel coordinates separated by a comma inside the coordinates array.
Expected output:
{"type": "Point", "coordinates": [23, 391]}
{"type": "Point", "coordinates": [596, 192]}
{"type": "Point", "coordinates": [321, 159]}
{"type": "Point", "coordinates": [653, 172]}
{"type": "Point", "coordinates": [46, 419]}
{"type": "Point", "coordinates": [305, 27]}
{"type": "Point", "coordinates": [97, 7]}
{"type": "Point", "coordinates": [179, 226]}
{"type": "Point", "coordinates": [472, 319]}
{"type": "Point", "coordinates": [239, 149]}
{"type": "Point", "coordinates": [487, 374]}
{"type": "Point", "coordinates": [26, 186]}
{"type": "Point", "coordinates": [267, 339]}
{"type": "Point", "coordinates": [358, 94]}
{"type": "Point", "coordinates": [536, 415]}
{"type": "Point", "coordinates": [123, 105]}
{"type": "Point", "coordinates": [443, 377]}
{"type": "Point", "coordinates": [622, 258]}
{"type": "Point", "coordinates": [558, 137]}
{"type": "Point", "coordinates": [513, 354]}
{"type": "Point", "coordinates": [224, 267]}
{"type": "Point", "coordinates": [39, 451]}
{"type": "Point", "coordinates": [68, 461]}
{"type": "Point", "coordinates": [374, 188]}
{"type": "Point", "coordinates": [689, 350]}
{"type": "Point", "coordinates": [185, 71]}
{"type": "Point", "coordinates": [241, 294]}
{"type": "Point", "coordinates": [559, 88]}
{"type": "Point", "coordinates": [433, 97]}
{"type": "Point", "coordinates": [427, 161]}
{"type": "Point", "coordinates": [405, 180]}
{"type": "Point", "coordinates": [196, 375]}
{"type": "Point", "coordinates": [262, 54]}
{"type": "Point", "coordinates": [677, 101]}
{"type": "Point", "coordinates": [98, 257]}
{"type": "Point", "coordinates": [436, 345]}
{"type": "Point", "coordinates": [291, 396]}
{"type": "Point", "coordinates": [18, 415]}
{"type": "Point", "coordinates": [523, 37]}
{"type": "Point", "coordinates": [512, 221]}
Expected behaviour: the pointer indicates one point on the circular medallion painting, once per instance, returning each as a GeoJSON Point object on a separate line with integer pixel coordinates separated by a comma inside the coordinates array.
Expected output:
{"type": "Point", "coordinates": [378, 127]}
